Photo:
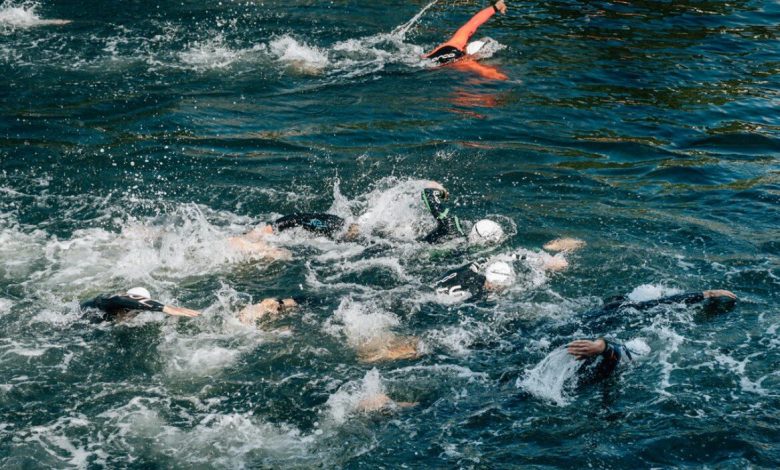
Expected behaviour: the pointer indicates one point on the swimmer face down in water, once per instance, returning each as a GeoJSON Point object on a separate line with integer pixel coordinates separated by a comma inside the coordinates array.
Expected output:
{"type": "Point", "coordinates": [448, 226]}
{"type": "Point", "coordinates": [458, 47]}
{"type": "Point", "coordinates": [477, 280]}
{"type": "Point", "coordinates": [602, 356]}
{"type": "Point", "coordinates": [122, 306]}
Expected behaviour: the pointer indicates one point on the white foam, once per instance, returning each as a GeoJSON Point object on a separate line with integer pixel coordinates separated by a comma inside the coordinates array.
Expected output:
{"type": "Point", "coordinates": [738, 368]}
{"type": "Point", "coordinates": [359, 322]}
{"type": "Point", "coordinates": [54, 439]}
{"type": "Point", "coordinates": [152, 253]}
{"type": "Point", "coordinates": [394, 209]}
{"type": "Point", "coordinates": [551, 378]}
{"type": "Point", "coordinates": [223, 440]}
{"type": "Point", "coordinates": [647, 292]}
{"type": "Point", "coordinates": [347, 399]}
{"type": "Point", "coordinates": [212, 53]}
{"type": "Point", "coordinates": [672, 341]}
{"type": "Point", "coordinates": [300, 56]}
{"type": "Point", "coordinates": [23, 15]}
{"type": "Point", "coordinates": [638, 347]}
{"type": "Point", "coordinates": [5, 306]}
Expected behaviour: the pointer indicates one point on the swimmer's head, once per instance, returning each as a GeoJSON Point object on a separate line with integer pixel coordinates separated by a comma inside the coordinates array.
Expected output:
{"type": "Point", "coordinates": [139, 292]}
{"type": "Point", "coordinates": [499, 276]}
{"type": "Point", "coordinates": [474, 47]}
{"type": "Point", "coordinates": [486, 232]}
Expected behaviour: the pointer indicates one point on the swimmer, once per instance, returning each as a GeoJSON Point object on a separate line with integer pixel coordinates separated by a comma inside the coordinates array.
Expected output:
{"type": "Point", "coordinates": [477, 280]}
{"type": "Point", "coordinates": [120, 307]}
{"type": "Point", "coordinates": [613, 309]}
{"type": "Point", "coordinates": [335, 227]}
{"type": "Point", "coordinates": [601, 356]}
{"type": "Point", "coordinates": [270, 308]}
{"type": "Point", "coordinates": [328, 225]}
{"type": "Point", "coordinates": [458, 47]}
{"type": "Point", "coordinates": [448, 225]}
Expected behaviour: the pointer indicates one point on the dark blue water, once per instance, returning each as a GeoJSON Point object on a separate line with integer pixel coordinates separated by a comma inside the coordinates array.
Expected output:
{"type": "Point", "coordinates": [135, 140]}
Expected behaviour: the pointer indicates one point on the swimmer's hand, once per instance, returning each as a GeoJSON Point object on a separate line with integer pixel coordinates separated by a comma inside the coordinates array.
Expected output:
{"type": "Point", "coordinates": [500, 6]}
{"type": "Point", "coordinates": [583, 348]}
{"type": "Point", "coordinates": [179, 311]}
{"type": "Point", "coordinates": [708, 294]}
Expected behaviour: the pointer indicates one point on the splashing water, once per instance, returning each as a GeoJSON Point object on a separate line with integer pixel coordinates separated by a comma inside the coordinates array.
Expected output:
{"type": "Point", "coordinates": [24, 16]}
{"type": "Point", "coordinates": [551, 377]}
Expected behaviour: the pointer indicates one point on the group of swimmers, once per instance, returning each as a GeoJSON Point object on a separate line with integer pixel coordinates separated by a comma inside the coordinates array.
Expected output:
{"type": "Point", "coordinates": [473, 281]}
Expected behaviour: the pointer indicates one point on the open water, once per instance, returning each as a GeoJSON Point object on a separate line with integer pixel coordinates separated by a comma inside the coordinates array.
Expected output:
{"type": "Point", "coordinates": [135, 140]}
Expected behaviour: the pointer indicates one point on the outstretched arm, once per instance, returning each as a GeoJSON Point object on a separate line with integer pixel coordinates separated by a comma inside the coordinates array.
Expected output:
{"type": "Point", "coordinates": [688, 298]}
{"type": "Point", "coordinates": [179, 311]}
{"type": "Point", "coordinates": [446, 224]}
{"type": "Point", "coordinates": [462, 35]}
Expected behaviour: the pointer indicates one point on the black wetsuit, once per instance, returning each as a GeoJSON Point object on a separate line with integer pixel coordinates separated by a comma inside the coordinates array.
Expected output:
{"type": "Point", "coordinates": [602, 366]}
{"type": "Point", "coordinates": [447, 225]}
{"type": "Point", "coordinates": [446, 54]}
{"type": "Point", "coordinates": [319, 223]}
{"type": "Point", "coordinates": [114, 305]}
{"type": "Point", "coordinates": [611, 315]}
{"type": "Point", "coordinates": [465, 282]}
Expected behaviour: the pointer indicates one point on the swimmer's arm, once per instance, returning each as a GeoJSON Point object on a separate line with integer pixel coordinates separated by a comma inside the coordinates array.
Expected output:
{"type": "Point", "coordinates": [179, 311]}
{"type": "Point", "coordinates": [432, 198]}
{"type": "Point", "coordinates": [688, 298]}
{"type": "Point", "coordinates": [462, 35]}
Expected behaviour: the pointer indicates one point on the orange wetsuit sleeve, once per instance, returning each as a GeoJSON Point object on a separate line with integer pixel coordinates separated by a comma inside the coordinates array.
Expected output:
{"type": "Point", "coordinates": [462, 36]}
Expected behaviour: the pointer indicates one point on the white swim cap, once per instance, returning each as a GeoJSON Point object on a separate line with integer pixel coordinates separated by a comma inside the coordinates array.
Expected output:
{"type": "Point", "coordinates": [499, 274]}
{"type": "Point", "coordinates": [474, 46]}
{"type": "Point", "coordinates": [140, 292]}
{"type": "Point", "coordinates": [486, 232]}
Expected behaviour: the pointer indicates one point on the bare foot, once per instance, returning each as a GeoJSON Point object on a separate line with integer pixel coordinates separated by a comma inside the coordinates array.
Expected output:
{"type": "Point", "coordinates": [564, 244]}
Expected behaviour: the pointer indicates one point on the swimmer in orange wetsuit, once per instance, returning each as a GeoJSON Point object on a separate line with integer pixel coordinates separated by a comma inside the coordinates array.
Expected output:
{"type": "Point", "coordinates": [457, 48]}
